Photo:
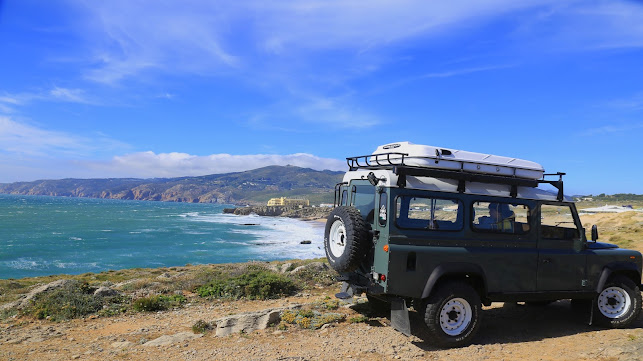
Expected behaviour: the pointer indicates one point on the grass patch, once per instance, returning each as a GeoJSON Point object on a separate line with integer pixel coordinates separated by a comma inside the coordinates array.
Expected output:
{"type": "Point", "coordinates": [157, 303]}
{"type": "Point", "coordinates": [620, 241]}
{"type": "Point", "coordinates": [254, 285]}
{"type": "Point", "coordinates": [358, 319]}
{"type": "Point", "coordinates": [201, 326]}
{"type": "Point", "coordinates": [309, 319]}
{"type": "Point", "coordinates": [327, 304]}
{"type": "Point", "coordinates": [73, 300]}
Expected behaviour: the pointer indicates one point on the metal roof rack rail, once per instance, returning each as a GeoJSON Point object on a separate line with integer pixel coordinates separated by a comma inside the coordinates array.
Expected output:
{"type": "Point", "coordinates": [558, 184]}
{"type": "Point", "coordinates": [395, 162]}
{"type": "Point", "coordinates": [376, 161]}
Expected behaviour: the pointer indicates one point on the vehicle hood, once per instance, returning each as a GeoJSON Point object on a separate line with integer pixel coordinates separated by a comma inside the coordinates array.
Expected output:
{"type": "Point", "coordinates": [600, 245]}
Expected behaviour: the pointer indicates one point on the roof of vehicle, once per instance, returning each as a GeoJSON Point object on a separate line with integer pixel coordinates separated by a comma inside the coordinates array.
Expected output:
{"type": "Point", "coordinates": [408, 165]}
{"type": "Point", "coordinates": [389, 179]}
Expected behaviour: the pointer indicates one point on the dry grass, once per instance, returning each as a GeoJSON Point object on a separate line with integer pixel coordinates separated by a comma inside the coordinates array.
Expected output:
{"type": "Point", "coordinates": [624, 229]}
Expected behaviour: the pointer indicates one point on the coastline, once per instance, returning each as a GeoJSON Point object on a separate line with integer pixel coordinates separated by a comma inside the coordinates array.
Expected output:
{"type": "Point", "coordinates": [56, 235]}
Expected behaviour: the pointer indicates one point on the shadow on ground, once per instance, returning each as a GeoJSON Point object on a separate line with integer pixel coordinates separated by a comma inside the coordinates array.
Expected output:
{"type": "Point", "coordinates": [514, 323]}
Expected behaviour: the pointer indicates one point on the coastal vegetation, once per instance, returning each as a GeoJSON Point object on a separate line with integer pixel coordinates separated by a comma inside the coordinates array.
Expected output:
{"type": "Point", "coordinates": [149, 290]}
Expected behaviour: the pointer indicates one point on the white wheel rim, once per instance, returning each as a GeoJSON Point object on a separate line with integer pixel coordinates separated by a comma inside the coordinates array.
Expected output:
{"type": "Point", "coordinates": [614, 302]}
{"type": "Point", "coordinates": [337, 238]}
{"type": "Point", "coordinates": [455, 316]}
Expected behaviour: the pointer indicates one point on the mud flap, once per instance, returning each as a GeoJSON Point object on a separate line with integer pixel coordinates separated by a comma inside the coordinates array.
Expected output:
{"type": "Point", "coordinates": [346, 292]}
{"type": "Point", "coordinates": [400, 316]}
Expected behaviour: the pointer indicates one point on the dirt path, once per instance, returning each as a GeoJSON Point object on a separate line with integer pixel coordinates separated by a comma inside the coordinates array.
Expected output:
{"type": "Point", "coordinates": [508, 332]}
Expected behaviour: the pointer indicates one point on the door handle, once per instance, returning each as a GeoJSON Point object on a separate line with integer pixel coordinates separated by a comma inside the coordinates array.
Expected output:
{"type": "Point", "coordinates": [546, 260]}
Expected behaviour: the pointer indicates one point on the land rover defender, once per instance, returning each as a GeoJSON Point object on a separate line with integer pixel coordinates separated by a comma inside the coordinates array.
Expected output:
{"type": "Point", "coordinates": [448, 231]}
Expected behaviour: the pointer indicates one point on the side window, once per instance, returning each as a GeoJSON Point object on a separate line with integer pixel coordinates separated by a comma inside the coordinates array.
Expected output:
{"type": "Point", "coordinates": [344, 198]}
{"type": "Point", "coordinates": [429, 213]}
{"type": "Point", "coordinates": [501, 217]}
{"type": "Point", "coordinates": [557, 222]}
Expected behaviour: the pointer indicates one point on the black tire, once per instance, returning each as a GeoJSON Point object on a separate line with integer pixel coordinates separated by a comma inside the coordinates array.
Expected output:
{"type": "Point", "coordinates": [345, 239]}
{"type": "Point", "coordinates": [452, 314]}
{"type": "Point", "coordinates": [618, 304]}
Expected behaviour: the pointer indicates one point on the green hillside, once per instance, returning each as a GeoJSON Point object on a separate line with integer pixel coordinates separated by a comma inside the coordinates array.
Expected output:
{"type": "Point", "coordinates": [250, 187]}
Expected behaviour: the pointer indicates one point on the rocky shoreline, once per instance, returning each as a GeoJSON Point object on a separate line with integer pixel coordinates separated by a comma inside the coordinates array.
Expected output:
{"type": "Point", "coordinates": [305, 213]}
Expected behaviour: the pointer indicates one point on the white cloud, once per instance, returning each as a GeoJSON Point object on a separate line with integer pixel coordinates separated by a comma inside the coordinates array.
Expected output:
{"type": "Point", "coordinates": [623, 128]}
{"type": "Point", "coordinates": [55, 94]}
{"type": "Point", "coordinates": [29, 140]}
{"type": "Point", "coordinates": [68, 95]}
{"type": "Point", "coordinates": [28, 152]}
{"type": "Point", "coordinates": [129, 38]}
{"type": "Point", "coordinates": [163, 165]}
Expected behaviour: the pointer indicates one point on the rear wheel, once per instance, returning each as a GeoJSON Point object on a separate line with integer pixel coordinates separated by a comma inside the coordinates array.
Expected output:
{"type": "Point", "coordinates": [619, 303]}
{"type": "Point", "coordinates": [345, 239]}
{"type": "Point", "coordinates": [452, 314]}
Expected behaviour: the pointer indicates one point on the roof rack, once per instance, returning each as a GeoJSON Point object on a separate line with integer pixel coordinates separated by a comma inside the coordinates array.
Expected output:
{"type": "Point", "coordinates": [395, 163]}
{"type": "Point", "coordinates": [376, 161]}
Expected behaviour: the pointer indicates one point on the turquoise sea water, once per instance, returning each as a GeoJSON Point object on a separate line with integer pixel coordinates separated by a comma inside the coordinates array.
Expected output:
{"type": "Point", "coordinates": [51, 235]}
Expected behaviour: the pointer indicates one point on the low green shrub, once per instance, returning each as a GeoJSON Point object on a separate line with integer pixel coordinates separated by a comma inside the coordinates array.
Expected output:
{"type": "Point", "coordinates": [309, 319]}
{"type": "Point", "coordinates": [70, 301]}
{"type": "Point", "coordinates": [157, 303]}
{"type": "Point", "coordinates": [202, 327]}
{"type": "Point", "coordinates": [254, 285]}
{"type": "Point", "coordinates": [358, 319]}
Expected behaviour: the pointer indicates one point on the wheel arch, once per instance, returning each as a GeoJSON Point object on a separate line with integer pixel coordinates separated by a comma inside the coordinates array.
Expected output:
{"type": "Point", "coordinates": [626, 269]}
{"type": "Point", "coordinates": [468, 272]}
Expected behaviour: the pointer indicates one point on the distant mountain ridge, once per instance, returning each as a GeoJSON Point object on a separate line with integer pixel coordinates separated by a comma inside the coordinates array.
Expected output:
{"type": "Point", "coordinates": [248, 187]}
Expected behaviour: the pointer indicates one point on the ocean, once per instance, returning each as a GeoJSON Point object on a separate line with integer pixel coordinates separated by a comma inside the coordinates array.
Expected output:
{"type": "Point", "coordinates": [42, 235]}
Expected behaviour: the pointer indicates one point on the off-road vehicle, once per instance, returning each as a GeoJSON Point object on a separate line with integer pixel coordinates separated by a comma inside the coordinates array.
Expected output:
{"type": "Point", "coordinates": [447, 231]}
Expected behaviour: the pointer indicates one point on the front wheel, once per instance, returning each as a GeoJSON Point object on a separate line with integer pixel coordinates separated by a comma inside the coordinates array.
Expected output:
{"type": "Point", "coordinates": [452, 314]}
{"type": "Point", "coordinates": [619, 303]}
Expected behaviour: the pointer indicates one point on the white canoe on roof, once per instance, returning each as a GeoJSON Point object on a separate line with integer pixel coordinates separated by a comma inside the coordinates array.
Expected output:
{"type": "Point", "coordinates": [428, 156]}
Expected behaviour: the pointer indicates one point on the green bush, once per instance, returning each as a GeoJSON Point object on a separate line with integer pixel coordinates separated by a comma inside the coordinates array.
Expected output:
{"type": "Point", "coordinates": [254, 285]}
{"type": "Point", "coordinates": [309, 319]}
{"type": "Point", "coordinates": [358, 319]}
{"type": "Point", "coordinates": [70, 301]}
{"type": "Point", "coordinates": [157, 303]}
{"type": "Point", "coordinates": [202, 327]}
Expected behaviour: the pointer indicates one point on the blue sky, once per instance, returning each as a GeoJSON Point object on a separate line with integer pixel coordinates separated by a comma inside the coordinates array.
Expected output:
{"type": "Point", "coordinates": [174, 88]}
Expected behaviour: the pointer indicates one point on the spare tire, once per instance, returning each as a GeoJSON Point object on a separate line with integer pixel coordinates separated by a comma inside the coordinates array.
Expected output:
{"type": "Point", "coordinates": [345, 239]}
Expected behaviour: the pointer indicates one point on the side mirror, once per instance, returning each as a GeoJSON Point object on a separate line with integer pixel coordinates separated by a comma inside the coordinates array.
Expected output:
{"type": "Point", "coordinates": [594, 233]}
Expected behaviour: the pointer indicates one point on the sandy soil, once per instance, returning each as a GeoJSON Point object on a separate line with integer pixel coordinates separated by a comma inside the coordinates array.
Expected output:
{"type": "Point", "coordinates": [508, 332]}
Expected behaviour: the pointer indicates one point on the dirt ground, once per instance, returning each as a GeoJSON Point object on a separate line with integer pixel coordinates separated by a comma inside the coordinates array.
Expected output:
{"type": "Point", "coordinates": [508, 332]}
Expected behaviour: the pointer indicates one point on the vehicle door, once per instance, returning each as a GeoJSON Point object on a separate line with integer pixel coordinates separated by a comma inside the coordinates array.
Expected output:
{"type": "Point", "coordinates": [561, 257]}
{"type": "Point", "coordinates": [381, 214]}
{"type": "Point", "coordinates": [503, 243]}
{"type": "Point", "coordinates": [426, 230]}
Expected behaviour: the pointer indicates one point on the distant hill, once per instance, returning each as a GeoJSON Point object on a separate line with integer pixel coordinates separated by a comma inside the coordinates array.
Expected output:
{"type": "Point", "coordinates": [250, 187]}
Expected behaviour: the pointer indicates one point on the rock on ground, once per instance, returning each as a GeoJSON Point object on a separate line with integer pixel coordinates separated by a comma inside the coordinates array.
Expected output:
{"type": "Point", "coordinates": [249, 321]}
{"type": "Point", "coordinates": [167, 340]}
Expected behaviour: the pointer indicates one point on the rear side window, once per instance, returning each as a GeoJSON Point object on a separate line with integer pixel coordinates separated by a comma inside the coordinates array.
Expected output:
{"type": "Point", "coordinates": [499, 217]}
{"type": "Point", "coordinates": [364, 199]}
{"type": "Point", "coordinates": [429, 213]}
